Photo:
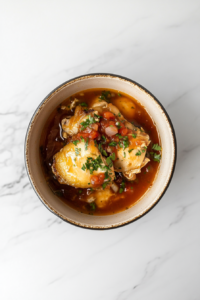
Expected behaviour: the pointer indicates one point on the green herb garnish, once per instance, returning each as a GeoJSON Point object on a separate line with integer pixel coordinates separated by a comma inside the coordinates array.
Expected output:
{"type": "Point", "coordinates": [122, 187]}
{"type": "Point", "coordinates": [77, 151]}
{"type": "Point", "coordinates": [118, 125]}
{"type": "Point", "coordinates": [93, 164]}
{"type": "Point", "coordinates": [130, 150]}
{"type": "Point", "coordinates": [83, 104]}
{"type": "Point", "coordinates": [97, 116]}
{"type": "Point", "coordinates": [134, 135]}
{"type": "Point", "coordinates": [113, 144]}
{"type": "Point", "coordinates": [87, 122]}
{"type": "Point", "coordinates": [119, 94]}
{"type": "Point", "coordinates": [86, 144]}
{"type": "Point", "coordinates": [92, 206]}
{"type": "Point", "coordinates": [119, 136]}
{"type": "Point", "coordinates": [110, 159]}
{"type": "Point", "coordinates": [102, 150]}
{"type": "Point", "coordinates": [156, 157]}
{"type": "Point", "coordinates": [138, 153]}
{"type": "Point", "coordinates": [105, 95]}
{"type": "Point", "coordinates": [75, 142]}
{"type": "Point", "coordinates": [156, 147]}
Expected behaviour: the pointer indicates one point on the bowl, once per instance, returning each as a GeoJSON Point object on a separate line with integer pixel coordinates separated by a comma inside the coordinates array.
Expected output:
{"type": "Point", "coordinates": [164, 127]}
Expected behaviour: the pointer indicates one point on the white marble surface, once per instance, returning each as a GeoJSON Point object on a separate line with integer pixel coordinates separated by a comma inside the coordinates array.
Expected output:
{"type": "Point", "coordinates": [44, 43]}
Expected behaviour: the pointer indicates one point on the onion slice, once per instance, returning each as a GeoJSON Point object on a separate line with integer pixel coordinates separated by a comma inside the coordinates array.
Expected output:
{"type": "Point", "coordinates": [114, 187]}
{"type": "Point", "coordinates": [111, 130]}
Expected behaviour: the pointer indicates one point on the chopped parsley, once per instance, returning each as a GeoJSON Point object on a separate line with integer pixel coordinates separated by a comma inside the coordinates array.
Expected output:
{"type": "Point", "coordinates": [119, 136]}
{"type": "Point", "coordinates": [82, 139]}
{"type": "Point", "coordinates": [84, 168]}
{"type": "Point", "coordinates": [113, 144]}
{"type": "Point", "coordinates": [103, 138]}
{"type": "Point", "coordinates": [75, 142]}
{"type": "Point", "coordinates": [77, 151]}
{"type": "Point", "coordinates": [124, 154]}
{"type": "Point", "coordinates": [134, 135]}
{"type": "Point", "coordinates": [93, 164]}
{"type": "Point", "coordinates": [86, 144]}
{"type": "Point", "coordinates": [156, 147]}
{"type": "Point", "coordinates": [97, 116]}
{"type": "Point", "coordinates": [122, 187]}
{"type": "Point", "coordinates": [138, 153]}
{"type": "Point", "coordinates": [87, 122]}
{"type": "Point", "coordinates": [118, 125]}
{"type": "Point", "coordinates": [104, 185]}
{"type": "Point", "coordinates": [92, 206]}
{"type": "Point", "coordinates": [83, 104]}
{"type": "Point", "coordinates": [143, 150]}
{"type": "Point", "coordinates": [102, 150]}
{"type": "Point", "coordinates": [130, 150]}
{"type": "Point", "coordinates": [105, 95]}
{"type": "Point", "coordinates": [110, 159]}
{"type": "Point", "coordinates": [119, 115]}
{"type": "Point", "coordinates": [124, 143]}
{"type": "Point", "coordinates": [156, 157]}
{"type": "Point", "coordinates": [119, 94]}
{"type": "Point", "coordinates": [80, 191]}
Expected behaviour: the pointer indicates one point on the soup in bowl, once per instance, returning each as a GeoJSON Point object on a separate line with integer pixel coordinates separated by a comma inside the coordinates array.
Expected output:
{"type": "Point", "coordinates": [100, 151]}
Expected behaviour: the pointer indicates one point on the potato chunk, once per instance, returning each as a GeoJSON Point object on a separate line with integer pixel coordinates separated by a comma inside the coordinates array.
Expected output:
{"type": "Point", "coordinates": [68, 163]}
{"type": "Point", "coordinates": [126, 106]}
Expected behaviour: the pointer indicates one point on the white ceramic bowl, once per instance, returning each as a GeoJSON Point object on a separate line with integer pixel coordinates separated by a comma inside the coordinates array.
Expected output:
{"type": "Point", "coordinates": [156, 111]}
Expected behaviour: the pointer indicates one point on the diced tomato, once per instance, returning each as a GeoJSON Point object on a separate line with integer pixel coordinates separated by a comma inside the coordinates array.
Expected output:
{"type": "Point", "coordinates": [138, 143]}
{"type": "Point", "coordinates": [83, 135]}
{"type": "Point", "coordinates": [93, 134]}
{"type": "Point", "coordinates": [97, 180]}
{"type": "Point", "coordinates": [122, 125]}
{"type": "Point", "coordinates": [94, 126]}
{"type": "Point", "coordinates": [123, 131]}
{"type": "Point", "coordinates": [109, 123]}
{"type": "Point", "coordinates": [108, 115]}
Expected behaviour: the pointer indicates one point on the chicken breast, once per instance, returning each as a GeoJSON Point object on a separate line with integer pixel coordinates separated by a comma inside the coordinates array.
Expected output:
{"type": "Point", "coordinates": [68, 164]}
{"type": "Point", "coordinates": [131, 159]}
{"type": "Point", "coordinates": [72, 125]}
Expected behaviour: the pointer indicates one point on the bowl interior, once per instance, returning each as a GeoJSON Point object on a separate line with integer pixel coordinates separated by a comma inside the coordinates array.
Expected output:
{"type": "Point", "coordinates": [33, 161]}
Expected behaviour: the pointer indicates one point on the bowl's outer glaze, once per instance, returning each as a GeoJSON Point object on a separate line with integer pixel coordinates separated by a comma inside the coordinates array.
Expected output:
{"type": "Point", "coordinates": [165, 129]}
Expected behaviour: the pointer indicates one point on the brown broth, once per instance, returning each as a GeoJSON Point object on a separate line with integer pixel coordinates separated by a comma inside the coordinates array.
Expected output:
{"type": "Point", "coordinates": [52, 141]}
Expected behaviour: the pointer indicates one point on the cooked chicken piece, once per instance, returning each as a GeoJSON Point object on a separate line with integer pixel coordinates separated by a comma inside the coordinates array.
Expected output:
{"type": "Point", "coordinates": [132, 158]}
{"type": "Point", "coordinates": [103, 197]}
{"type": "Point", "coordinates": [101, 106]}
{"type": "Point", "coordinates": [71, 106]}
{"type": "Point", "coordinates": [130, 163]}
{"type": "Point", "coordinates": [72, 125]}
{"type": "Point", "coordinates": [68, 164]}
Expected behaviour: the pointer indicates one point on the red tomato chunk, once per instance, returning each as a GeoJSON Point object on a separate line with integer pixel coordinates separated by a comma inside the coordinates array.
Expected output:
{"type": "Point", "coordinates": [97, 180]}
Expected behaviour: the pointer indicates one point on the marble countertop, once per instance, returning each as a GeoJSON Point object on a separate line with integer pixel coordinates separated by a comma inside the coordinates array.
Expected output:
{"type": "Point", "coordinates": [44, 43]}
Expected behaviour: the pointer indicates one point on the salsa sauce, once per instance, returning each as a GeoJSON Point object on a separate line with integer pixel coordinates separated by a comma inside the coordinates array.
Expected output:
{"type": "Point", "coordinates": [52, 141]}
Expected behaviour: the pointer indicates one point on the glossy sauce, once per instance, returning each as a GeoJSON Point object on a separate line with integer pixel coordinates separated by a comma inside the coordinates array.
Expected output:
{"type": "Point", "coordinates": [52, 141]}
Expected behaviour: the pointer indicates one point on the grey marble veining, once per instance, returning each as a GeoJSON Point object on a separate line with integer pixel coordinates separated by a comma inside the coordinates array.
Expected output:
{"type": "Point", "coordinates": [44, 43]}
